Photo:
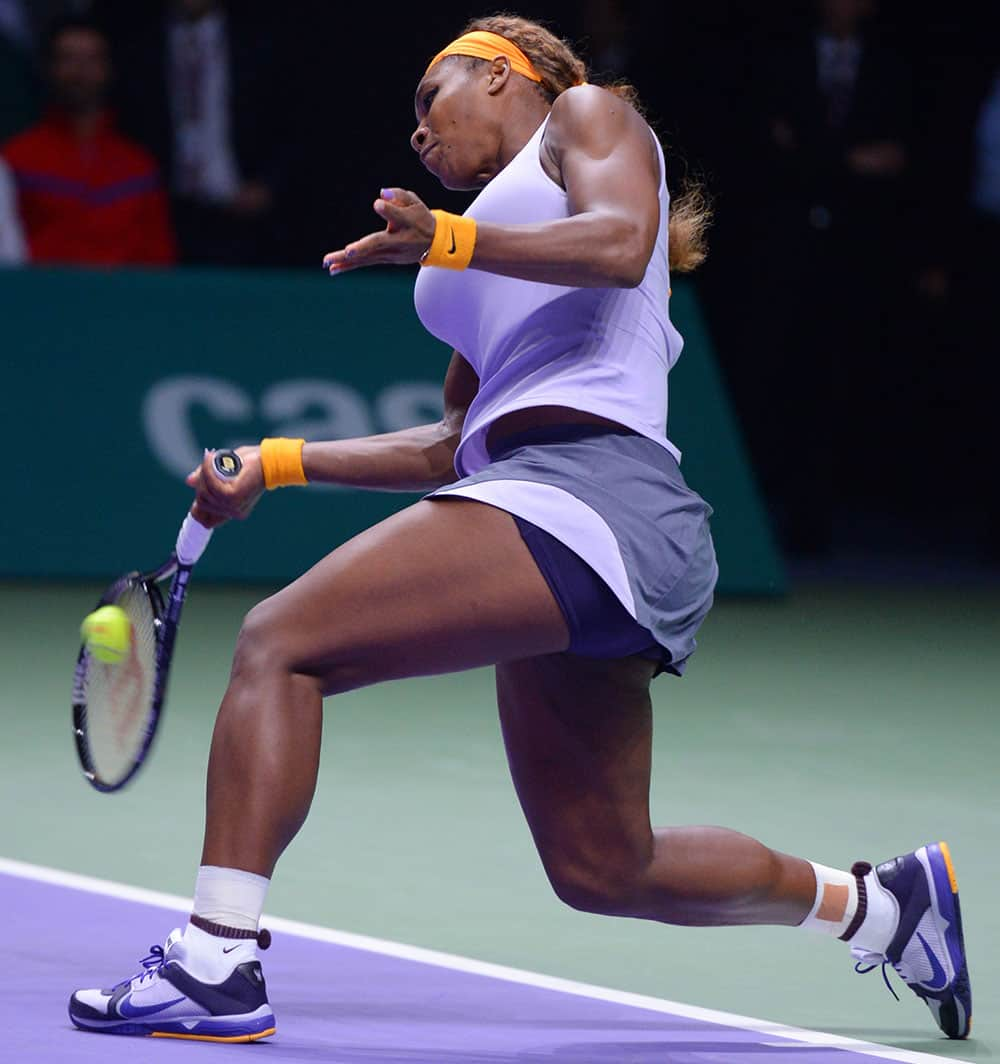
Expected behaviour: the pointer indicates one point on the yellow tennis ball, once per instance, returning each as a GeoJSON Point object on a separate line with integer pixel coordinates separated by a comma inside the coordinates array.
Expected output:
{"type": "Point", "coordinates": [107, 632]}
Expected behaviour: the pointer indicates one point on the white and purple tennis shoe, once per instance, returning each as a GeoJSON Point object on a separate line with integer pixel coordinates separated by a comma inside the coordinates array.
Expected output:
{"type": "Point", "coordinates": [927, 950]}
{"type": "Point", "coordinates": [166, 1001]}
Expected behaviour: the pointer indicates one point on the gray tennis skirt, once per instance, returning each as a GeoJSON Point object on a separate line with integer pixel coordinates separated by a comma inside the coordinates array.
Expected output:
{"type": "Point", "coordinates": [623, 542]}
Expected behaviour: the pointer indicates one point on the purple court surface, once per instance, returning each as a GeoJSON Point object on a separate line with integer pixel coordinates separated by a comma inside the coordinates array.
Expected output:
{"type": "Point", "coordinates": [342, 999]}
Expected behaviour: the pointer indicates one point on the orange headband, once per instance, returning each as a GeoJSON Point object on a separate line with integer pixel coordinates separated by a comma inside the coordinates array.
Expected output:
{"type": "Point", "coordinates": [485, 45]}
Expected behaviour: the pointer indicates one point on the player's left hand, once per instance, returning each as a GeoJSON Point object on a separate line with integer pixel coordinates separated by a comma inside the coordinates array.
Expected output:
{"type": "Point", "coordinates": [408, 233]}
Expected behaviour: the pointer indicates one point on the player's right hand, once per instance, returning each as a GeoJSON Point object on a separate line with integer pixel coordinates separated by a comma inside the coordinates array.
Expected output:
{"type": "Point", "coordinates": [219, 499]}
{"type": "Point", "coordinates": [408, 233]}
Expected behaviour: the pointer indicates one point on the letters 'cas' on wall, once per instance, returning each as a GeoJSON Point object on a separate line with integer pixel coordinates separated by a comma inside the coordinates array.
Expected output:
{"type": "Point", "coordinates": [120, 379]}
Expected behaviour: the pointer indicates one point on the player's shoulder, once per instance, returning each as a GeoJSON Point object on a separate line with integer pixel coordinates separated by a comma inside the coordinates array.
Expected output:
{"type": "Point", "coordinates": [592, 114]}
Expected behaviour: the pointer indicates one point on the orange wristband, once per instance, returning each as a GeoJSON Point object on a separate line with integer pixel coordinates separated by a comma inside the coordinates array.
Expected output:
{"type": "Point", "coordinates": [454, 242]}
{"type": "Point", "coordinates": [281, 462]}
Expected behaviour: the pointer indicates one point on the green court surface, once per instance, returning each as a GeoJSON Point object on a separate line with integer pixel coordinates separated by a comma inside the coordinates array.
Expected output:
{"type": "Point", "coordinates": [842, 723]}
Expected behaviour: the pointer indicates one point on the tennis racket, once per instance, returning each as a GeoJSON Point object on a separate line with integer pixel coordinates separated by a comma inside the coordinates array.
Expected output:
{"type": "Point", "coordinates": [117, 707]}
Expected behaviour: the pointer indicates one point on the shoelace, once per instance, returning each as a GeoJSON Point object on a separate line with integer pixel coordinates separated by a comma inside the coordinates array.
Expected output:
{"type": "Point", "coordinates": [151, 965]}
{"type": "Point", "coordinates": [868, 962]}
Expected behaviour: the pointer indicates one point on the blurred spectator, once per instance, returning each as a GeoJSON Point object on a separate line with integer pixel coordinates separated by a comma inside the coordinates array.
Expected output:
{"type": "Point", "coordinates": [205, 86]}
{"type": "Point", "coordinates": [18, 90]}
{"type": "Point", "coordinates": [841, 110]}
{"type": "Point", "coordinates": [14, 23]}
{"type": "Point", "coordinates": [12, 249]}
{"type": "Point", "coordinates": [26, 21]}
{"type": "Point", "coordinates": [85, 193]}
{"type": "Point", "coordinates": [22, 26]}
{"type": "Point", "coordinates": [986, 165]}
{"type": "Point", "coordinates": [609, 32]}
{"type": "Point", "coordinates": [828, 275]}
{"type": "Point", "coordinates": [979, 276]}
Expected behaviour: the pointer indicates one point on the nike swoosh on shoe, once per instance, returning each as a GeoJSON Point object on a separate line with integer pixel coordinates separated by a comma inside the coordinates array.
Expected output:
{"type": "Point", "coordinates": [132, 1012]}
{"type": "Point", "coordinates": [940, 977]}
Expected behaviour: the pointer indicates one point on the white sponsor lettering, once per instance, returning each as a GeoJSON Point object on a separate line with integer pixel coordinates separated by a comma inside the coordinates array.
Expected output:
{"type": "Point", "coordinates": [408, 403]}
{"type": "Point", "coordinates": [317, 409]}
{"type": "Point", "coordinates": [167, 410]}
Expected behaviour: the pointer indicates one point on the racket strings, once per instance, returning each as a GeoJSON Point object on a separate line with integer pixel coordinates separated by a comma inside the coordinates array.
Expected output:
{"type": "Point", "coordinates": [119, 697]}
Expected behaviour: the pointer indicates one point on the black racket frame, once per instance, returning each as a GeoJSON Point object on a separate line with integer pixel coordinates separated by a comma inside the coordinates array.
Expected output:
{"type": "Point", "coordinates": [166, 620]}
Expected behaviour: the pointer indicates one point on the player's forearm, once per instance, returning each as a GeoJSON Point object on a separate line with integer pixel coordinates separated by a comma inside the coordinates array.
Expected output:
{"type": "Point", "coordinates": [590, 250]}
{"type": "Point", "coordinates": [415, 459]}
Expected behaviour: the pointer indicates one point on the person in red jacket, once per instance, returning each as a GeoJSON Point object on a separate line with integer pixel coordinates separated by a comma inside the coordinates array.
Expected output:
{"type": "Point", "coordinates": [85, 193]}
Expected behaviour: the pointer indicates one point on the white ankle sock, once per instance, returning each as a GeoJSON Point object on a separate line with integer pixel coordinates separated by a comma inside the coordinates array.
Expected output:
{"type": "Point", "coordinates": [212, 959]}
{"type": "Point", "coordinates": [836, 907]}
{"type": "Point", "coordinates": [230, 896]}
{"type": "Point", "coordinates": [836, 901]}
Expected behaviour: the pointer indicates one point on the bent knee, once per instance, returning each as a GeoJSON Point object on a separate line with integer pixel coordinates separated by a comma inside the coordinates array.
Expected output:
{"type": "Point", "coordinates": [270, 641]}
{"type": "Point", "coordinates": [263, 643]}
{"type": "Point", "coordinates": [608, 888]}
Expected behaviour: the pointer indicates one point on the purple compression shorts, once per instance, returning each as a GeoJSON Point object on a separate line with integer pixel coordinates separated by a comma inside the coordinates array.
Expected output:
{"type": "Point", "coordinates": [599, 625]}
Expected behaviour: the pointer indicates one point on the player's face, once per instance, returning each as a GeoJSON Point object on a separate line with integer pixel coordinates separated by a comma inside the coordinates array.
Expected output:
{"type": "Point", "coordinates": [457, 135]}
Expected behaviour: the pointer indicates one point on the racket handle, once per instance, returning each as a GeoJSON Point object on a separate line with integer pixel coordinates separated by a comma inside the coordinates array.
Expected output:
{"type": "Point", "coordinates": [227, 464]}
{"type": "Point", "coordinates": [194, 536]}
{"type": "Point", "coordinates": [191, 541]}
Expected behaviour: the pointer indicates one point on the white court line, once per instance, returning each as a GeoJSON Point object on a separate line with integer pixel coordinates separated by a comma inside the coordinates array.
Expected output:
{"type": "Point", "coordinates": [175, 902]}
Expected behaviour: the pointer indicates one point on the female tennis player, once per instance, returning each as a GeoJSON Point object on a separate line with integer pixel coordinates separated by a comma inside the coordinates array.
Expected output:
{"type": "Point", "coordinates": [558, 542]}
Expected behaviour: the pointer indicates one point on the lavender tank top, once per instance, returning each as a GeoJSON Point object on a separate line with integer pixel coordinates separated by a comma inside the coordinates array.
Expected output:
{"type": "Point", "coordinates": [606, 351]}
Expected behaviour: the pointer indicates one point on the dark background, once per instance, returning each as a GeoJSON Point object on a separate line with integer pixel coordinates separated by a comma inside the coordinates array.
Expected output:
{"type": "Point", "coordinates": [853, 316]}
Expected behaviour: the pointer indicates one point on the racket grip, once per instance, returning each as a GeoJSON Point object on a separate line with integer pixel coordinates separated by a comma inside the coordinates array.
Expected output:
{"type": "Point", "coordinates": [194, 536]}
{"type": "Point", "coordinates": [191, 541]}
{"type": "Point", "coordinates": [227, 464]}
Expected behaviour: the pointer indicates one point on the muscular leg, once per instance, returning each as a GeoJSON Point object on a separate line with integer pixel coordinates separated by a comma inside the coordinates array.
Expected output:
{"type": "Point", "coordinates": [578, 734]}
{"type": "Point", "coordinates": [441, 586]}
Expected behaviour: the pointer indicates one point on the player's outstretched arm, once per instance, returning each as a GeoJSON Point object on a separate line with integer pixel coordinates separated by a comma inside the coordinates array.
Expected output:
{"type": "Point", "coordinates": [415, 459]}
